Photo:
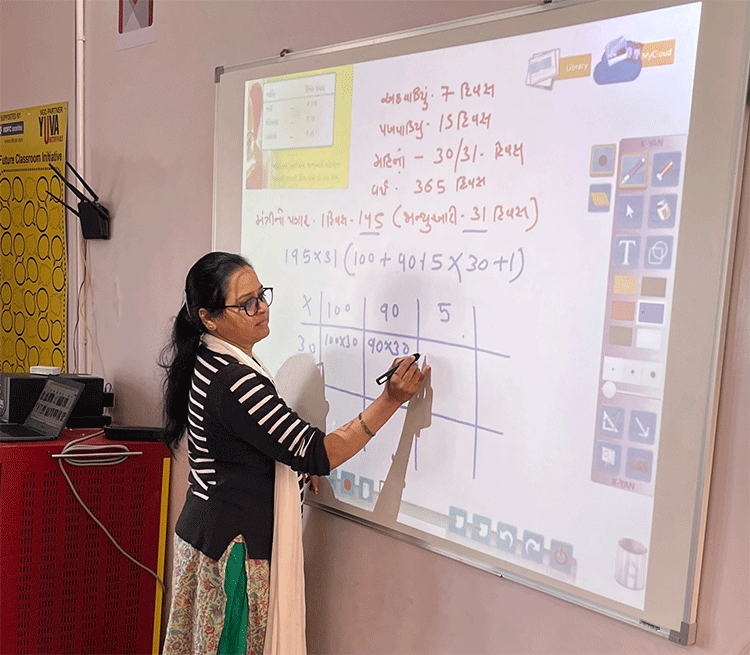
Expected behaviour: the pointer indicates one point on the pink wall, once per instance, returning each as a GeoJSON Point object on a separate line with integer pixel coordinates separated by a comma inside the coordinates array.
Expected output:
{"type": "Point", "coordinates": [149, 154]}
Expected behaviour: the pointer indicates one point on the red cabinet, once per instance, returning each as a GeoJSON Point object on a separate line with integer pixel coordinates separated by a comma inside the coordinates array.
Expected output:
{"type": "Point", "coordinates": [64, 587]}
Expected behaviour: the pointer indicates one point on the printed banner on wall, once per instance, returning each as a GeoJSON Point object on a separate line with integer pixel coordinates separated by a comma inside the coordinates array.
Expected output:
{"type": "Point", "coordinates": [33, 272]}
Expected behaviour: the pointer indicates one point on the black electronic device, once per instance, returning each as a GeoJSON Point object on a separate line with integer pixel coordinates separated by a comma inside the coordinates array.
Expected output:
{"type": "Point", "coordinates": [93, 215]}
{"type": "Point", "coordinates": [82, 422]}
{"type": "Point", "coordinates": [132, 433]}
{"type": "Point", "coordinates": [19, 392]}
{"type": "Point", "coordinates": [52, 407]}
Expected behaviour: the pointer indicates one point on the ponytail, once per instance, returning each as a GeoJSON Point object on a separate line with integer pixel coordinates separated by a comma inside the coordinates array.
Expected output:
{"type": "Point", "coordinates": [204, 289]}
{"type": "Point", "coordinates": [178, 360]}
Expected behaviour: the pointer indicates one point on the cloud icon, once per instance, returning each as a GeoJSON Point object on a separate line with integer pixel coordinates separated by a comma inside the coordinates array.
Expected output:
{"type": "Point", "coordinates": [621, 62]}
{"type": "Point", "coordinates": [622, 71]}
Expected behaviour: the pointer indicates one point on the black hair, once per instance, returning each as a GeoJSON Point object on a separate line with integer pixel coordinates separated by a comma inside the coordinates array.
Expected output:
{"type": "Point", "coordinates": [205, 288]}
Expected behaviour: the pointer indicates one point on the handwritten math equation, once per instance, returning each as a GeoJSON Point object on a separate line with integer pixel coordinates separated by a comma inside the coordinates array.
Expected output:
{"type": "Point", "coordinates": [450, 138]}
{"type": "Point", "coordinates": [421, 98]}
{"type": "Point", "coordinates": [467, 218]}
{"type": "Point", "coordinates": [452, 156]}
{"type": "Point", "coordinates": [447, 165]}
{"type": "Point", "coordinates": [380, 329]}
{"type": "Point", "coordinates": [357, 259]}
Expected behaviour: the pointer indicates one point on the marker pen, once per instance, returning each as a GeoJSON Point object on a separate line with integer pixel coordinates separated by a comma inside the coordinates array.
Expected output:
{"type": "Point", "coordinates": [389, 373]}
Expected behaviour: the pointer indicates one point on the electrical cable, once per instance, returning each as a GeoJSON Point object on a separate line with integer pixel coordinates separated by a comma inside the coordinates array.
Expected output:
{"type": "Point", "coordinates": [101, 455]}
{"type": "Point", "coordinates": [78, 319]}
{"type": "Point", "coordinates": [93, 341]}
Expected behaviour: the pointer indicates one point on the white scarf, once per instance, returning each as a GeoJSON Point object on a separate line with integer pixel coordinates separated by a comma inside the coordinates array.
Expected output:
{"type": "Point", "coordinates": [285, 631]}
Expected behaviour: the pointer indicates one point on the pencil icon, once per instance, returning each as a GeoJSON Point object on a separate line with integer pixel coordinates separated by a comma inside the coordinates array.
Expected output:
{"type": "Point", "coordinates": [636, 167]}
{"type": "Point", "coordinates": [664, 170]}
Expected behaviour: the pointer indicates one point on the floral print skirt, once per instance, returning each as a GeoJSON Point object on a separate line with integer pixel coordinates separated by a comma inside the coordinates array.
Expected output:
{"type": "Point", "coordinates": [209, 613]}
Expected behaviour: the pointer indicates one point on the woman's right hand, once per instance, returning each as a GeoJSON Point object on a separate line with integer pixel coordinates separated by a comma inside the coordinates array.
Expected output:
{"type": "Point", "coordinates": [407, 379]}
{"type": "Point", "coordinates": [343, 443]}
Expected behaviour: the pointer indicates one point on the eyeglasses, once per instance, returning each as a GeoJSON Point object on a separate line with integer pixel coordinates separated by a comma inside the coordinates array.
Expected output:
{"type": "Point", "coordinates": [251, 304]}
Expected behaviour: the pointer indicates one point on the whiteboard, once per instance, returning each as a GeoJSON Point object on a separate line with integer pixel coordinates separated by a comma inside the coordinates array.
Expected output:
{"type": "Point", "coordinates": [542, 204]}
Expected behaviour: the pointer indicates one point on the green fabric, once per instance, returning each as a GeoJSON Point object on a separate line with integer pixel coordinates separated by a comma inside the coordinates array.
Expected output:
{"type": "Point", "coordinates": [234, 633]}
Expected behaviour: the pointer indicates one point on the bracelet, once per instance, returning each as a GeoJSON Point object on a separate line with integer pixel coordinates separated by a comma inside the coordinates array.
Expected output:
{"type": "Point", "coordinates": [367, 430]}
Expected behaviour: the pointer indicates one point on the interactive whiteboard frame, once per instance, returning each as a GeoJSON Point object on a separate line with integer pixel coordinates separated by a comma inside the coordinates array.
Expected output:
{"type": "Point", "coordinates": [718, 134]}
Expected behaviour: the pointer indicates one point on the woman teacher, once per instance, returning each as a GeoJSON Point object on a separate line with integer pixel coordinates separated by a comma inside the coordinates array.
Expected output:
{"type": "Point", "coordinates": [238, 584]}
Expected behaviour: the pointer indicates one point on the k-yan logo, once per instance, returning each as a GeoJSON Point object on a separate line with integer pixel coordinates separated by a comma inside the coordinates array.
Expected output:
{"type": "Point", "coordinates": [49, 128]}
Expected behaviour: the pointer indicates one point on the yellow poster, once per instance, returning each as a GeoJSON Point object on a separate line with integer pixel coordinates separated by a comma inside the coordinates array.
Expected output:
{"type": "Point", "coordinates": [33, 264]}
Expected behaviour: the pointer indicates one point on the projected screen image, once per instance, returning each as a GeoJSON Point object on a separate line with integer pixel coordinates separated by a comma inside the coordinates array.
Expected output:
{"type": "Point", "coordinates": [510, 210]}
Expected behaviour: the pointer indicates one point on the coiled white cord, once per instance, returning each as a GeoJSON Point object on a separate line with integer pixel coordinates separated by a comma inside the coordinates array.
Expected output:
{"type": "Point", "coordinates": [102, 455]}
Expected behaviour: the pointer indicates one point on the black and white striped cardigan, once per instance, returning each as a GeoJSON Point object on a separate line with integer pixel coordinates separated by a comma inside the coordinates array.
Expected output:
{"type": "Point", "coordinates": [238, 427]}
